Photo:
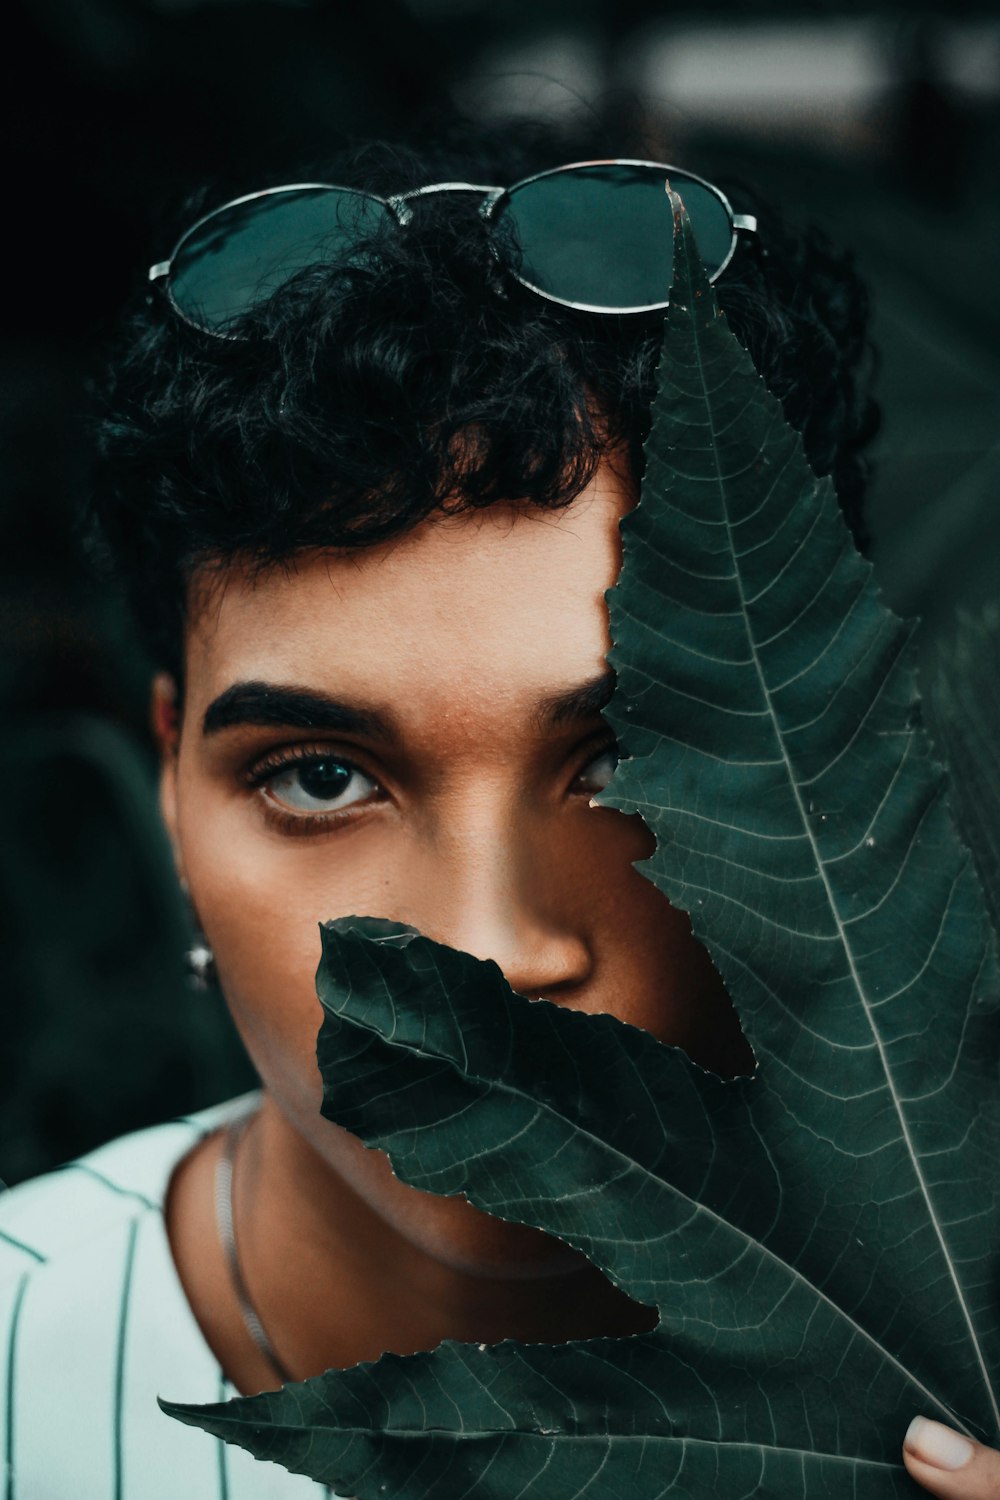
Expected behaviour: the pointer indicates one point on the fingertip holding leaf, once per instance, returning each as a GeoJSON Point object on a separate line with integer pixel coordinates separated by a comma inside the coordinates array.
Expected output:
{"type": "Point", "coordinates": [821, 1241]}
{"type": "Point", "coordinates": [935, 1444]}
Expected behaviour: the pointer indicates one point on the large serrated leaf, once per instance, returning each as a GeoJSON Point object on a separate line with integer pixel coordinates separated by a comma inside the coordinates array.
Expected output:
{"type": "Point", "coordinates": [822, 1240]}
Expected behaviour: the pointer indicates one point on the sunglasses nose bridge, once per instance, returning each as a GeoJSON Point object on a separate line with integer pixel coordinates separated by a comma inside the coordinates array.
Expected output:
{"type": "Point", "coordinates": [400, 202]}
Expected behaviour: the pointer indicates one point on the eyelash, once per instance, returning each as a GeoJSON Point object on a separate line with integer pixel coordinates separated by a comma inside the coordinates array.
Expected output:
{"type": "Point", "coordinates": [299, 824]}
{"type": "Point", "coordinates": [271, 766]}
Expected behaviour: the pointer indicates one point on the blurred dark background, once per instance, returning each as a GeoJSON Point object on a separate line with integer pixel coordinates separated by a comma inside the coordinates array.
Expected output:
{"type": "Point", "coordinates": [880, 124]}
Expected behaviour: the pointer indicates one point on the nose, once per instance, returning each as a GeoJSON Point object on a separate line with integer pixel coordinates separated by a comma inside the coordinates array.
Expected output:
{"type": "Point", "coordinates": [494, 890]}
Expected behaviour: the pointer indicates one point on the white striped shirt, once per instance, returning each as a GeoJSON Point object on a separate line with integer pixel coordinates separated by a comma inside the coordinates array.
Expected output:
{"type": "Point", "coordinates": [94, 1325]}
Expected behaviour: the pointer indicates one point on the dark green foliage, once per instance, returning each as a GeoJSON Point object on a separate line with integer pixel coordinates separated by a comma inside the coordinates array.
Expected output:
{"type": "Point", "coordinates": [963, 686]}
{"type": "Point", "coordinates": [822, 1239]}
{"type": "Point", "coordinates": [102, 1033]}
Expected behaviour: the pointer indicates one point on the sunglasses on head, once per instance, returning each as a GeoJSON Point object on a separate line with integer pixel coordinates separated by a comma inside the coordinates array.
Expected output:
{"type": "Point", "coordinates": [595, 236]}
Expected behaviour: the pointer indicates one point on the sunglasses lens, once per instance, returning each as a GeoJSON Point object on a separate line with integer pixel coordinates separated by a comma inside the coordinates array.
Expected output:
{"type": "Point", "coordinates": [243, 253]}
{"type": "Point", "coordinates": [601, 237]}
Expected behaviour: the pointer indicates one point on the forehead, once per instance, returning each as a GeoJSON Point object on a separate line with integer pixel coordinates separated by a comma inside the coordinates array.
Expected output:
{"type": "Point", "coordinates": [507, 598]}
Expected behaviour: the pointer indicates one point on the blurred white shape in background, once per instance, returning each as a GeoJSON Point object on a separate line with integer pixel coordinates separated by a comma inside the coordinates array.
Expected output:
{"type": "Point", "coordinates": [824, 79]}
{"type": "Point", "coordinates": [773, 74]}
{"type": "Point", "coordinates": [970, 57]}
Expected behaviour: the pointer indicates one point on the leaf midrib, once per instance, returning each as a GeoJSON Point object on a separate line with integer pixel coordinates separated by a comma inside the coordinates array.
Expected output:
{"type": "Point", "coordinates": [821, 866]}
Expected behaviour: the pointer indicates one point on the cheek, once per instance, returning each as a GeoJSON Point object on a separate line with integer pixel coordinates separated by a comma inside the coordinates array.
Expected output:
{"type": "Point", "coordinates": [260, 898]}
{"type": "Point", "coordinates": [642, 941]}
{"type": "Point", "coordinates": [653, 972]}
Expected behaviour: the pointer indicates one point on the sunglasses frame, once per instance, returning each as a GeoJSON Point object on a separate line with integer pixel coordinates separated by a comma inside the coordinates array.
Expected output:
{"type": "Point", "coordinates": [493, 197]}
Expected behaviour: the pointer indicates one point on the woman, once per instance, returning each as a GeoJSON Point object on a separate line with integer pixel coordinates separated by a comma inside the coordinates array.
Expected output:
{"type": "Point", "coordinates": [365, 464]}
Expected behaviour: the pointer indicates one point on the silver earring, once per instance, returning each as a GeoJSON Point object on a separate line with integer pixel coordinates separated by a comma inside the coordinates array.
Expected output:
{"type": "Point", "coordinates": [199, 960]}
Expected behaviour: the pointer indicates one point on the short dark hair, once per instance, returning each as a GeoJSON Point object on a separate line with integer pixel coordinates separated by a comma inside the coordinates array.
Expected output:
{"type": "Point", "coordinates": [366, 395]}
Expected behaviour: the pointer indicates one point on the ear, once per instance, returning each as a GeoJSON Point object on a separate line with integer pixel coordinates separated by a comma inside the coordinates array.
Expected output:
{"type": "Point", "coordinates": [164, 715]}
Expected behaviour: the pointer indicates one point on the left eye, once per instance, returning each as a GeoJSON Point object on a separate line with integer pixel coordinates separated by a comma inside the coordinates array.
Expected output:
{"type": "Point", "coordinates": [320, 785]}
{"type": "Point", "coordinates": [597, 773]}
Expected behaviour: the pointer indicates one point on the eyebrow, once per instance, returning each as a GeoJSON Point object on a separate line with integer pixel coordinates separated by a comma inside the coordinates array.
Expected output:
{"type": "Point", "coordinates": [269, 704]}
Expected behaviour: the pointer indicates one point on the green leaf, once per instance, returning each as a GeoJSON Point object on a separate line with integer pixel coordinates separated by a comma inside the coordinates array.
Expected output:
{"type": "Point", "coordinates": [821, 1240]}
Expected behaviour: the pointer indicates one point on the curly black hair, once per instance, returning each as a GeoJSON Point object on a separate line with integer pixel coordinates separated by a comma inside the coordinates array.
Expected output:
{"type": "Point", "coordinates": [363, 396]}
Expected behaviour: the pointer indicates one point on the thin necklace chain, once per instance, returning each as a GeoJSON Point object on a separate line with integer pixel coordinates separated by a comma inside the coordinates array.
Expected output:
{"type": "Point", "coordinates": [224, 1172]}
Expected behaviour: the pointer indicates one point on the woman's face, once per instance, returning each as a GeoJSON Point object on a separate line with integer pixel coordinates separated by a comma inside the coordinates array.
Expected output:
{"type": "Point", "coordinates": [412, 731]}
